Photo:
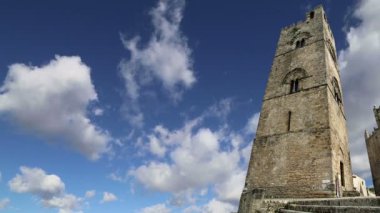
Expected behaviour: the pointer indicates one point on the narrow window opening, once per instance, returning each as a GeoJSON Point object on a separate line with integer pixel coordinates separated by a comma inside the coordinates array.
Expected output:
{"type": "Point", "coordinates": [289, 119]}
{"type": "Point", "coordinates": [294, 86]}
{"type": "Point", "coordinates": [311, 14]}
{"type": "Point", "coordinates": [337, 98]}
{"type": "Point", "coordinates": [342, 174]}
{"type": "Point", "coordinates": [298, 44]}
{"type": "Point", "coordinates": [302, 43]}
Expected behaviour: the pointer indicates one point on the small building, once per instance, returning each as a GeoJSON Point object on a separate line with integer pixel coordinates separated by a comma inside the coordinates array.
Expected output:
{"type": "Point", "coordinates": [360, 186]}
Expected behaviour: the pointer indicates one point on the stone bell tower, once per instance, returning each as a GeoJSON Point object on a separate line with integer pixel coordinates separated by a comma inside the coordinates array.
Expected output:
{"type": "Point", "coordinates": [301, 146]}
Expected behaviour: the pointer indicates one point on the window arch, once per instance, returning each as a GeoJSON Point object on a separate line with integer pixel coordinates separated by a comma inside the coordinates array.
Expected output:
{"type": "Point", "coordinates": [294, 79]}
{"type": "Point", "coordinates": [299, 38]}
{"type": "Point", "coordinates": [336, 90]}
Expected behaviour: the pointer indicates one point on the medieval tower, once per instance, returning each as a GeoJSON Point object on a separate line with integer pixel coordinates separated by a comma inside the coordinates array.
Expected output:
{"type": "Point", "coordinates": [373, 149]}
{"type": "Point", "coordinates": [301, 147]}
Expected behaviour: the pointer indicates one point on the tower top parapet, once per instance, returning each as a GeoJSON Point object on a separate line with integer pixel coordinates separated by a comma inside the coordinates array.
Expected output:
{"type": "Point", "coordinates": [376, 111]}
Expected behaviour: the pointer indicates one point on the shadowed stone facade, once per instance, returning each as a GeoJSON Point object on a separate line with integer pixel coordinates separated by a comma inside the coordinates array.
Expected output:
{"type": "Point", "coordinates": [301, 146]}
{"type": "Point", "coordinates": [373, 149]}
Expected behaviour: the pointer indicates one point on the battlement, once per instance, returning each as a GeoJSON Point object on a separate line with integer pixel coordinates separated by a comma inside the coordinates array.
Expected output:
{"type": "Point", "coordinates": [308, 16]}
{"type": "Point", "coordinates": [376, 112]}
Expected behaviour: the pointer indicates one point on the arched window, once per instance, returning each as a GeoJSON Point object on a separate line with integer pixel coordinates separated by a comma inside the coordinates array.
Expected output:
{"type": "Point", "coordinates": [299, 38]}
{"type": "Point", "coordinates": [294, 79]}
{"type": "Point", "coordinates": [311, 14]}
{"type": "Point", "coordinates": [300, 43]}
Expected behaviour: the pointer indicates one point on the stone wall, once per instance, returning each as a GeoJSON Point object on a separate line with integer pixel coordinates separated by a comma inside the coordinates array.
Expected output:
{"type": "Point", "coordinates": [373, 149]}
{"type": "Point", "coordinates": [301, 146]}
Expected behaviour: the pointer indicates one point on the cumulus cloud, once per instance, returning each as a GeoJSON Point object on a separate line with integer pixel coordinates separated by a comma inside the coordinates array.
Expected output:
{"type": "Point", "coordinates": [213, 206]}
{"type": "Point", "coordinates": [4, 203]}
{"type": "Point", "coordinates": [251, 126]}
{"type": "Point", "coordinates": [52, 102]}
{"type": "Point", "coordinates": [49, 188]}
{"type": "Point", "coordinates": [36, 181]}
{"type": "Point", "coordinates": [156, 147]}
{"type": "Point", "coordinates": [360, 76]}
{"type": "Point", "coordinates": [159, 208]}
{"type": "Point", "coordinates": [165, 59]}
{"type": "Point", "coordinates": [216, 206]}
{"type": "Point", "coordinates": [108, 197]}
{"type": "Point", "coordinates": [90, 194]}
{"type": "Point", "coordinates": [230, 189]}
{"type": "Point", "coordinates": [199, 158]}
{"type": "Point", "coordinates": [66, 203]}
{"type": "Point", "coordinates": [197, 161]}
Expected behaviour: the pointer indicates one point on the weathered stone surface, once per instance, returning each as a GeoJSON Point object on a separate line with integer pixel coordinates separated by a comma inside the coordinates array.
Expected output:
{"type": "Point", "coordinates": [321, 205]}
{"type": "Point", "coordinates": [373, 149]}
{"type": "Point", "coordinates": [301, 146]}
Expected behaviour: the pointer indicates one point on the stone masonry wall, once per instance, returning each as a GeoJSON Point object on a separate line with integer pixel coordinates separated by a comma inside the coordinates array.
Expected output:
{"type": "Point", "coordinates": [301, 139]}
{"type": "Point", "coordinates": [373, 149]}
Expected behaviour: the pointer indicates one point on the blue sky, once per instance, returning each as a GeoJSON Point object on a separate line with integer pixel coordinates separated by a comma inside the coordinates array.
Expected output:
{"type": "Point", "coordinates": [151, 106]}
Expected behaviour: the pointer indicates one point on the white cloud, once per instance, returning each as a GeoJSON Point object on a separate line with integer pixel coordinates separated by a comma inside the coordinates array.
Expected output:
{"type": "Point", "coordinates": [230, 190]}
{"type": "Point", "coordinates": [246, 153]}
{"type": "Point", "coordinates": [165, 59]}
{"type": "Point", "coordinates": [216, 206]}
{"type": "Point", "coordinates": [36, 181]}
{"type": "Point", "coordinates": [221, 109]}
{"type": "Point", "coordinates": [198, 158]}
{"type": "Point", "coordinates": [155, 147]}
{"type": "Point", "coordinates": [66, 203]}
{"type": "Point", "coordinates": [213, 206]}
{"type": "Point", "coordinates": [252, 123]}
{"type": "Point", "coordinates": [360, 77]}
{"type": "Point", "coordinates": [115, 176]}
{"type": "Point", "coordinates": [183, 198]}
{"type": "Point", "coordinates": [90, 194]}
{"type": "Point", "coordinates": [49, 188]}
{"type": "Point", "coordinates": [159, 208]}
{"type": "Point", "coordinates": [98, 112]}
{"type": "Point", "coordinates": [108, 197]}
{"type": "Point", "coordinates": [196, 163]}
{"type": "Point", "coordinates": [52, 101]}
{"type": "Point", "coordinates": [4, 203]}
